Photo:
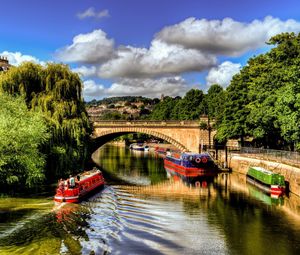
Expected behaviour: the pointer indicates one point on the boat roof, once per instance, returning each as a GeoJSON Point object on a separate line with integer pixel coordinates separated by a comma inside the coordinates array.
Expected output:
{"type": "Point", "coordinates": [193, 154]}
{"type": "Point", "coordinates": [262, 170]}
{"type": "Point", "coordinates": [88, 174]}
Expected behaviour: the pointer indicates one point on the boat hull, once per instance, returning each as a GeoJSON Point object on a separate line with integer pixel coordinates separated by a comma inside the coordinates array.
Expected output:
{"type": "Point", "coordinates": [188, 171]}
{"type": "Point", "coordinates": [269, 189]}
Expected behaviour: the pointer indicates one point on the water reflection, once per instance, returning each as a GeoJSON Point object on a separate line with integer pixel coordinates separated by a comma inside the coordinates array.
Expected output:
{"type": "Point", "coordinates": [128, 166]}
{"type": "Point", "coordinates": [146, 210]}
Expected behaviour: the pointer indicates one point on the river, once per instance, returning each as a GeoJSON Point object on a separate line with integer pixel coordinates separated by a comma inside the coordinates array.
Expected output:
{"type": "Point", "coordinates": [144, 210]}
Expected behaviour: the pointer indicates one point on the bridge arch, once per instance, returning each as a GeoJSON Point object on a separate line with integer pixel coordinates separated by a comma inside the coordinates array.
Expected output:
{"type": "Point", "coordinates": [109, 135]}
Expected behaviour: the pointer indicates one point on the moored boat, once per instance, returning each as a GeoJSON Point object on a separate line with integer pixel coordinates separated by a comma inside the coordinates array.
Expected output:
{"type": "Point", "coordinates": [74, 189]}
{"type": "Point", "coordinates": [266, 180]}
{"type": "Point", "coordinates": [137, 147]}
{"type": "Point", "coordinates": [161, 151]}
{"type": "Point", "coordinates": [190, 164]}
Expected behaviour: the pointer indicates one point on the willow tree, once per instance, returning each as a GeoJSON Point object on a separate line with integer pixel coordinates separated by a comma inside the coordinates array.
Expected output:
{"type": "Point", "coordinates": [56, 92]}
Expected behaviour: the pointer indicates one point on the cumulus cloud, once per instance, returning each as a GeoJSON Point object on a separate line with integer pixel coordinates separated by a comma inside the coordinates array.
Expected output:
{"type": "Point", "coordinates": [171, 86]}
{"type": "Point", "coordinates": [88, 48]}
{"type": "Point", "coordinates": [92, 13]}
{"type": "Point", "coordinates": [190, 46]}
{"type": "Point", "coordinates": [92, 90]}
{"type": "Point", "coordinates": [85, 71]}
{"type": "Point", "coordinates": [227, 36]}
{"type": "Point", "coordinates": [159, 60]}
{"type": "Point", "coordinates": [17, 58]}
{"type": "Point", "coordinates": [223, 73]}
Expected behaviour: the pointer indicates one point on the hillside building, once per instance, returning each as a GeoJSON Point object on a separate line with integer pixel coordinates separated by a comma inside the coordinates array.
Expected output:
{"type": "Point", "coordinates": [4, 64]}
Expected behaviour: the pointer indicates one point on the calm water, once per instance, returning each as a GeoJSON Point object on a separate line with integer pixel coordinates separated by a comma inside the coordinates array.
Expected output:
{"type": "Point", "coordinates": [145, 210]}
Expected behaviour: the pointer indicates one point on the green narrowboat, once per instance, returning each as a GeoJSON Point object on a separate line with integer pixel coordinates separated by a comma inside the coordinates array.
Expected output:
{"type": "Point", "coordinates": [268, 181]}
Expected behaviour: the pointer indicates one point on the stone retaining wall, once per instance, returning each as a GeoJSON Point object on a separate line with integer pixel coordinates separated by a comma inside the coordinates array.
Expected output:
{"type": "Point", "coordinates": [292, 174]}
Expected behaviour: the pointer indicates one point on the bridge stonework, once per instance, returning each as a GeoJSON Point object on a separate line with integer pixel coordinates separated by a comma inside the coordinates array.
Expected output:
{"type": "Point", "coordinates": [185, 135]}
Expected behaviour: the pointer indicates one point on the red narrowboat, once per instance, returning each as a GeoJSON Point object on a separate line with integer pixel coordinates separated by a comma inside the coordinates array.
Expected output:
{"type": "Point", "coordinates": [74, 189]}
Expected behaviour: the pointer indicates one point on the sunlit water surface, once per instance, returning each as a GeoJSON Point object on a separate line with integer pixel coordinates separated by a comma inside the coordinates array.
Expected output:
{"type": "Point", "coordinates": [145, 210]}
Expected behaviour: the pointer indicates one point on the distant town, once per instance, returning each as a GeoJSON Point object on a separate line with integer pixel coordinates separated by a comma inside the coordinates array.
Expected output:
{"type": "Point", "coordinates": [130, 107]}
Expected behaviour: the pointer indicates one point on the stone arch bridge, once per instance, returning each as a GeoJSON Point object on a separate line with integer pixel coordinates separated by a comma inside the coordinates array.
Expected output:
{"type": "Point", "coordinates": [185, 135]}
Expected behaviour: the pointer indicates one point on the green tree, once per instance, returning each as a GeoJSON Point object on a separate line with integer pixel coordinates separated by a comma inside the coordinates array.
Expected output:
{"type": "Point", "coordinates": [191, 106]}
{"type": "Point", "coordinates": [262, 100]}
{"type": "Point", "coordinates": [214, 100]}
{"type": "Point", "coordinates": [163, 110]}
{"type": "Point", "coordinates": [233, 123]}
{"type": "Point", "coordinates": [56, 92]}
{"type": "Point", "coordinates": [287, 105]}
{"type": "Point", "coordinates": [22, 132]}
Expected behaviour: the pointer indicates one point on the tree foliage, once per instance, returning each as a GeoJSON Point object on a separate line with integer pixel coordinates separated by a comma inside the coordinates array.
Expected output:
{"type": "Point", "coordinates": [164, 109]}
{"type": "Point", "coordinates": [262, 101]}
{"type": "Point", "coordinates": [215, 98]}
{"type": "Point", "coordinates": [22, 132]}
{"type": "Point", "coordinates": [56, 92]}
{"type": "Point", "coordinates": [190, 107]}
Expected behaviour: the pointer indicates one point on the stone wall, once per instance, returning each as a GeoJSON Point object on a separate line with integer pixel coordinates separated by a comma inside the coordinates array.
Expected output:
{"type": "Point", "coordinates": [292, 174]}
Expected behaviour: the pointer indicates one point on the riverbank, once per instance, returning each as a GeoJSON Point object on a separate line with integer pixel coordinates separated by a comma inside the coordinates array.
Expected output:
{"type": "Point", "coordinates": [241, 164]}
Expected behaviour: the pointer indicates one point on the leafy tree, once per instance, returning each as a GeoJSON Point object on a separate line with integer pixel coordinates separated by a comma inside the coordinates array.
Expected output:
{"type": "Point", "coordinates": [22, 132]}
{"type": "Point", "coordinates": [111, 106]}
{"type": "Point", "coordinates": [56, 92]}
{"type": "Point", "coordinates": [262, 100]}
{"type": "Point", "coordinates": [163, 110]}
{"type": "Point", "coordinates": [191, 106]}
{"type": "Point", "coordinates": [214, 100]}
{"type": "Point", "coordinates": [233, 123]}
{"type": "Point", "coordinates": [287, 105]}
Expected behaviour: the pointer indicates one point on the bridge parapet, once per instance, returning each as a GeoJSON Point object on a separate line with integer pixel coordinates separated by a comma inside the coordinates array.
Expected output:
{"type": "Point", "coordinates": [167, 123]}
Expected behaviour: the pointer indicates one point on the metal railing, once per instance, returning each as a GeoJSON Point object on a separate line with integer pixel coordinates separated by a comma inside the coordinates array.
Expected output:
{"type": "Point", "coordinates": [280, 156]}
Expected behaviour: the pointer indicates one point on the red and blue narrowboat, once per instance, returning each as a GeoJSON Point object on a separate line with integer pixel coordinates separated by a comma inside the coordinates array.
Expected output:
{"type": "Point", "coordinates": [74, 189]}
{"type": "Point", "coordinates": [190, 164]}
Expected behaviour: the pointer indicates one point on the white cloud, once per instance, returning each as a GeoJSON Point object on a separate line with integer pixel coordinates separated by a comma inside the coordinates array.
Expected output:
{"type": "Point", "coordinates": [92, 90]}
{"type": "Point", "coordinates": [92, 13]}
{"type": "Point", "coordinates": [170, 86]}
{"type": "Point", "coordinates": [89, 48]}
{"type": "Point", "coordinates": [159, 60]}
{"type": "Point", "coordinates": [85, 71]}
{"type": "Point", "coordinates": [190, 46]}
{"type": "Point", "coordinates": [227, 36]}
{"type": "Point", "coordinates": [223, 73]}
{"type": "Point", "coordinates": [17, 58]}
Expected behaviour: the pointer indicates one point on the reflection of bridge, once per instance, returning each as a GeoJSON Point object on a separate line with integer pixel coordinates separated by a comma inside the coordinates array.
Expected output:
{"type": "Point", "coordinates": [185, 135]}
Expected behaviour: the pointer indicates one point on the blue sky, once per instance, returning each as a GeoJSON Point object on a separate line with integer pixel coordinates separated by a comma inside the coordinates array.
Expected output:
{"type": "Point", "coordinates": [144, 47]}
